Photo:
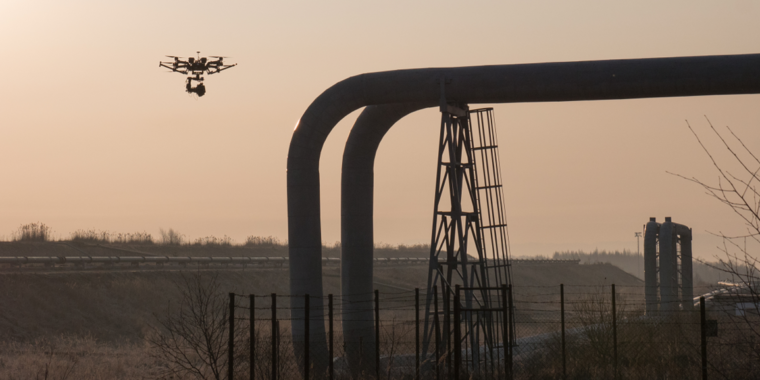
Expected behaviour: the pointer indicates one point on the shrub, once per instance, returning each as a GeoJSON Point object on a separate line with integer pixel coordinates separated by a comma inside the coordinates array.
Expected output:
{"type": "Point", "coordinates": [94, 236]}
{"type": "Point", "coordinates": [33, 232]}
{"type": "Point", "coordinates": [91, 236]}
{"type": "Point", "coordinates": [171, 237]}
{"type": "Point", "coordinates": [262, 241]}
{"type": "Point", "coordinates": [225, 241]}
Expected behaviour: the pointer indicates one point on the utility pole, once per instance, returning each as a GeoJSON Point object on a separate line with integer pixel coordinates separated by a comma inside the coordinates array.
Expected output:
{"type": "Point", "coordinates": [638, 254]}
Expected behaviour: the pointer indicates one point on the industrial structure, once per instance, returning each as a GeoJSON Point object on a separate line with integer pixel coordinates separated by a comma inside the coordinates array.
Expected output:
{"type": "Point", "coordinates": [668, 275]}
{"type": "Point", "coordinates": [469, 244]}
{"type": "Point", "coordinates": [389, 96]}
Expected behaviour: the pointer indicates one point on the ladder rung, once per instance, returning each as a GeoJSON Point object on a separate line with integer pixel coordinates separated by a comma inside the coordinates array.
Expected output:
{"type": "Point", "coordinates": [494, 226]}
{"type": "Point", "coordinates": [459, 164]}
{"type": "Point", "coordinates": [486, 147]}
{"type": "Point", "coordinates": [474, 262]}
{"type": "Point", "coordinates": [487, 309]}
{"type": "Point", "coordinates": [487, 187]}
{"type": "Point", "coordinates": [463, 213]}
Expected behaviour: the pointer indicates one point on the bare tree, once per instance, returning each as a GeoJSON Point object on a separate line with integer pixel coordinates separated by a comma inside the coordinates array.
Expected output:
{"type": "Point", "coordinates": [737, 188]}
{"type": "Point", "coordinates": [171, 237]}
{"type": "Point", "coordinates": [192, 338]}
{"type": "Point", "coordinates": [741, 193]}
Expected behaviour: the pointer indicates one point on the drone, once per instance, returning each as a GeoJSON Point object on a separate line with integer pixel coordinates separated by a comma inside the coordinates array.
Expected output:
{"type": "Point", "coordinates": [195, 68]}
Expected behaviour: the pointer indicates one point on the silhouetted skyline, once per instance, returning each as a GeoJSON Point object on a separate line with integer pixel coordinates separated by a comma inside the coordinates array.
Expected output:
{"type": "Point", "coordinates": [94, 135]}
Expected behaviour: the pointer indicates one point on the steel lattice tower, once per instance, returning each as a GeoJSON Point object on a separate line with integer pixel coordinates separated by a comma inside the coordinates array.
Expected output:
{"type": "Point", "coordinates": [469, 243]}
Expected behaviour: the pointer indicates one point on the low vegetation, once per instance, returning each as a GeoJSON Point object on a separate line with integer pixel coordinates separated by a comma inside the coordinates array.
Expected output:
{"type": "Point", "coordinates": [76, 358]}
{"type": "Point", "coordinates": [33, 232]}
{"type": "Point", "coordinates": [106, 237]}
{"type": "Point", "coordinates": [263, 241]}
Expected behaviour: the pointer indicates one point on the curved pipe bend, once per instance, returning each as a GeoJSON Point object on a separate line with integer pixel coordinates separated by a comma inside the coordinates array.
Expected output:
{"type": "Point", "coordinates": [357, 228]}
{"type": "Point", "coordinates": [544, 82]}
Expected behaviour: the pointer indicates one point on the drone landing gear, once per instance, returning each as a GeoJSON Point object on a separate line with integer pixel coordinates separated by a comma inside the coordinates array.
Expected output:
{"type": "Point", "coordinates": [199, 90]}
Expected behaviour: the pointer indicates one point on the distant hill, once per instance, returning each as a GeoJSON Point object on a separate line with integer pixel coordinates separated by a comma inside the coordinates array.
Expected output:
{"type": "Point", "coordinates": [118, 305]}
{"type": "Point", "coordinates": [704, 273]}
{"type": "Point", "coordinates": [265, 249]}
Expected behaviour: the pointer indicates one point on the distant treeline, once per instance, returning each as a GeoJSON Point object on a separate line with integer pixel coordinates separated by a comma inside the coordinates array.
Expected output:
{"type": "Point", "coordinates": [40, 232]}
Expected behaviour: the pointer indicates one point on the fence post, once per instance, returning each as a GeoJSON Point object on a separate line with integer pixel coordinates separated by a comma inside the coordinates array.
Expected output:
{"type": "Point", "coordinates": [614, 333]}
{"type": "Point", "coordinates": [562, 311]}
{"type": "Point", "coordinates": [274, 336]}
{"type": "Point", "coordinates": [447, 327]}
{"type": "Point", "coordinates": [511, 333]}
{"type": "Point", "coordinates": [437, 326]}
{"type": "Point", "coordinates": [277, 324]}
{"type": "Point", "coordinates": [417, 333]}
{"type": "Point", "coordinates": [231, 339]}
{"type": "Point", "coordinates": [377, 333]}
{"type": "Point", "coordinates": [457, 341]}
{"type": "Point", "coordinates": [703, 327]}
{"type": "Point", "coordinates": [252, 336]}
{"type": "Point", "coordinates": [331, 353]}
{"type": "Point", "coordinates": [505, 329]}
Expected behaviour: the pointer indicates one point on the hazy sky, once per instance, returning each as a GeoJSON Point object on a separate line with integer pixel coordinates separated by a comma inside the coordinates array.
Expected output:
{"type": "Point", "coordinates": [93, 134]}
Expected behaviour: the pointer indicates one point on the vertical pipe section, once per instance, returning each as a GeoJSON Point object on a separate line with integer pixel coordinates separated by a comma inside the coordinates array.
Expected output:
{"type": "Point", "coordinates": [650, 266]}
{"type": "Point", "coordinates": [668, 267]}
{"type": "Point", "coordinates": [357, 228]}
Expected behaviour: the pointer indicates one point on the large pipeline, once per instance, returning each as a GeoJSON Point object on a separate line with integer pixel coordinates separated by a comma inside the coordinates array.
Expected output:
{"type": "Point", "coordinates": [544, 82]}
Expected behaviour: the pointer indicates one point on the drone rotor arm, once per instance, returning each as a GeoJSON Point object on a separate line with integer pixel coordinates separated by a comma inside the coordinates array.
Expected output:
{"type": "Point", "coordinates": [180, 69]}
{"type": "Point", "coordinates": [224, 67]}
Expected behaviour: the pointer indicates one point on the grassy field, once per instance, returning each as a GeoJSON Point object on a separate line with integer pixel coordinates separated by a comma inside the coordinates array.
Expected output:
{"type": "Point", "coordinates": [92, 324]}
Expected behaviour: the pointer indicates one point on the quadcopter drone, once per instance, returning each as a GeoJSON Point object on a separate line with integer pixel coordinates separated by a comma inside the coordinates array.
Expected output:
{"type": "Point", "coordinates": [195, 68]}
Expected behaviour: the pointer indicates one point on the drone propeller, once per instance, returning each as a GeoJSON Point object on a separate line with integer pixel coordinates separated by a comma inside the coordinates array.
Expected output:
{"type": "Point", "coordinates": [173, 56]}
{"type": "Point", "coordinates": [216, 56]}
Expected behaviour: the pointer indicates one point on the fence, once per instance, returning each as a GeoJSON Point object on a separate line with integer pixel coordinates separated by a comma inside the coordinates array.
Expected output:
{"type": "Point", "coordinates": [565, 332]}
